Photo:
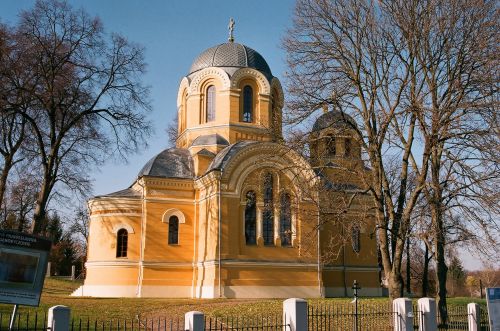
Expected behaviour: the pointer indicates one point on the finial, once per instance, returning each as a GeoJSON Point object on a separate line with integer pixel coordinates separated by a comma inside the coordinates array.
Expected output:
{"type": "Point", "coordinates": [231, 29]}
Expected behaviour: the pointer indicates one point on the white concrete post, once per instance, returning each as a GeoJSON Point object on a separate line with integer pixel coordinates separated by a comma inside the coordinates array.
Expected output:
{"type": "Point", "coordinates": [73, 272]}
{"type": "Point", "coordinates": [58, 319]}
{"type": "Point", "coordinates": [295, 314]}
{"type": "Point", "coordinates": [427, 314]}
{"type": "Point", "coordinates": [403, 318]}
{"type": "Point", "coordinates": [474, 316]}
{"type": "Point", "coordinates": [194, 321]}
{"type": "Point", "coordinates": [48, 270]}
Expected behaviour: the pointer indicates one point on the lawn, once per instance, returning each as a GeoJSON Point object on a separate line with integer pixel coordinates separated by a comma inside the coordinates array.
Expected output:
{"type": "Point", "coordinates": [56, 292]}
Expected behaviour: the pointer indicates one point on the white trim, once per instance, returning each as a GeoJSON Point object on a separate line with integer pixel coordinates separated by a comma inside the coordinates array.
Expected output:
{"type": "Point", "coordinates": [173, 212]}
{"type": "Point", "coordinates": [112, 263]}
{"type": "Point", "coordinates": [106, 291]}
{"type": "Point", "coordinates": [352, 268]}
{"type": "Point", "coordinates": [121, 225]}
{"type": "Point", "coordinates": [97, 216]}
{"type": "Point", "coordinates": [271, 291]}
{"type": "Point", "coordinates": [364, 292]}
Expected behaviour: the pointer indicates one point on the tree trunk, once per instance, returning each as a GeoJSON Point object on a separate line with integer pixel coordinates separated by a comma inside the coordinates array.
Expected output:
{"type": "Point", "coordinates": [425, 273]}
{"type": "Point", "coordinates": [408, 266]}
{"type": "Point", "coordinates": [5, 174]}
{"type": "Point", "coordinates": [40, 214]}
{"type": "Point", "coordinates": [441, 270]}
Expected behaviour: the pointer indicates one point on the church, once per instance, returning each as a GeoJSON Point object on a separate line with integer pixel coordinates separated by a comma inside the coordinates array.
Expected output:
{"type": "Point", "coordinates": [232, 211]}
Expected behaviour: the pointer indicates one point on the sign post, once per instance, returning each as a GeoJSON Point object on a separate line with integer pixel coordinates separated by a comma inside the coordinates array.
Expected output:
{"type": "Point", "coordinates": [493, 302]}
{"type": "Point", "coordinates": [23, 264]}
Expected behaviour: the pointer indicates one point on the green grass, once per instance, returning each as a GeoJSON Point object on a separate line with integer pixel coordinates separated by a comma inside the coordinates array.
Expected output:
{"type": "Point", "coordinates": [56, 292]}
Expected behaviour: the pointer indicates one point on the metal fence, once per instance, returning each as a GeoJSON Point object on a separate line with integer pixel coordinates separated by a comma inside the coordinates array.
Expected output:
{"type": "Point", "coordinates": [337, 316]}
{"type": "Point", "coordinates": [372, 316]}
{"type": "Point", "coordinates": [267, 323]}
{"type": "Point", "coordinates": [38, 321]}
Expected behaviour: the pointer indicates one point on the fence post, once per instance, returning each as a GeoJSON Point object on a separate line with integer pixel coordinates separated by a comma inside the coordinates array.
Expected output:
{"type": "Point", "coordinates": [73, 272]}
{"type": "Point", "coordinates": [474, 316]}
{"type": "Point", "coordinates": [194, 321]}
{"type": "Point", "coordinates": [427, 314]}
{"type": "Point", "coordinates": [48, 270]}
{"type": "Point", "coordinates": [58, 319]}
{"type": "Point", "coordinates": [403, 318]}
{"type": "Point", "coordinates": [295, 314]}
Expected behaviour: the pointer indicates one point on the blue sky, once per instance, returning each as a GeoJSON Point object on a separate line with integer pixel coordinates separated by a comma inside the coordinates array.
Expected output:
{"type": "Point", "coordinates": [173, 34]}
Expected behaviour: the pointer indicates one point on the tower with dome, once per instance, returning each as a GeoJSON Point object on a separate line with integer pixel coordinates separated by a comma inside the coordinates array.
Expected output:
{"type": "Point", "coordinates": [231, 211]}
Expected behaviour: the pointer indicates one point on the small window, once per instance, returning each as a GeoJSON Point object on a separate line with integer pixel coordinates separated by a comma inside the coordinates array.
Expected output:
{"type": "Point", "coordinates": [355, 239]}
{"type": "Point", "coordinates": [331, 146]}
{"type": "Point", "coordinates": [347, 147]}
{"type": "Point", "coordinates": [173, 230]}
{"type": "Point", "coordinates": [247, 104]}
{"type": "Point", "coordinates": [210, 106]}
{"type": "Point", "coordinates": [285, 220]}
{"type": "Point", "coordinates": [121, 243]}
{"type": "Point", "coordinates": [250, 219]}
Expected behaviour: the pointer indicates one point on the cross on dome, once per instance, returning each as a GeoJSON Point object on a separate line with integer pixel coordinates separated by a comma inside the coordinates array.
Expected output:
{"type": "Point", "coordinates": [231, 29]}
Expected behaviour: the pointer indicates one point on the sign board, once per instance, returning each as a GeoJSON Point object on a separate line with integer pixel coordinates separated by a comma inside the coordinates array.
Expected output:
{"type": "Point", "coordinates": [23, 264]}
{"type": "Point", "coordinates": [493, 301]}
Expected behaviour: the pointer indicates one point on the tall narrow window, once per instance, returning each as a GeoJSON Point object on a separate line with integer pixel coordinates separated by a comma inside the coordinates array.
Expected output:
{"type": "Point", "coordinates": [210, 107]}
{"type": "Point", "coordinates": [247, 104]}
{"type": "Point", "coordinates": [285, 220]}
{"type": "Point", "coordinates": [267, 215]}
{"type": "Point", "coordinates": [121, 243]}
{"type": "Point", "coordinates": [331, 146]}
{"type": "Point", "coordinates": [173, 230]}
{"type": "Point", "coordinates": [347, 147]}
{"type": "Point", "coordinates": [355, 239]}
{"type": "Point", "coordinates": [250, 219]}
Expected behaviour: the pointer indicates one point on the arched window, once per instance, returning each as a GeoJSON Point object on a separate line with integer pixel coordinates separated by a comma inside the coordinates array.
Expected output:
{"type": "Point", "coordinates": [210, 106]}
{"type": "Point", "coordinates": [173, 230]}
{"type": "Point", "coordinates": [247, 104]}
{"type": "Point", "coordinates": [347, 147]}
{"type": "Point", "coordinates": [250, 219]}
{"type": "Point", "coordinates": [121, 243]}
{"type": "Point", "coordinates": [355, 239]}
{"type": "Point", "coordinates": [285, 220]}
{"type": "Point", "coordinates": [331, 146]}
{"type": "Point", "coordinates": [267, 215]}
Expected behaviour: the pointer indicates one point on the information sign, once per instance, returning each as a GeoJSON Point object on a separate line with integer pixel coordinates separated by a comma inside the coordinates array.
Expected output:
{"type": "Point", "coordinates": [23, 264]}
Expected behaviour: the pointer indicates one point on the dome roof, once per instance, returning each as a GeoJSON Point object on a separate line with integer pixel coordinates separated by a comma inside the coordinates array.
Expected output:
{"type": "Point", "coordinates": [334, 119]}
{"type": "Point", "coordinates": [231, 54]}
{"type": "Point", "coordinates": [210, 139]}
{"type": "Point", "coordinates": [171, 163]}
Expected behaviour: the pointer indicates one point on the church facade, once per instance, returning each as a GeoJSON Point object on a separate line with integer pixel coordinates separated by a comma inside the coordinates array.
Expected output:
{"type": "Point", "coordinates": [231, 211]}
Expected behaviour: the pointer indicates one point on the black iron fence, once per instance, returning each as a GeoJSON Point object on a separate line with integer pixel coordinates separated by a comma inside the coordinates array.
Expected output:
{"type": "Point", "coordinates": [267, 323]}
{"type": "Point", "coordinates": [370, 315]}
{"type": "Point", "coordinates": [343, 316]}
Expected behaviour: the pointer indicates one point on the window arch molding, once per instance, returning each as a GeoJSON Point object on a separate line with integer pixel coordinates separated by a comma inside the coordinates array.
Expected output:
{"type": "Point", "coordinates": [173, 212]}
{"type": "Point", "coordinates": [118, 226]}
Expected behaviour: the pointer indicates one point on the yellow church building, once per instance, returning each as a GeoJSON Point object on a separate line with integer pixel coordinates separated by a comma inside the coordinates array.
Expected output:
{"type": "Point", "coordinates": [232, 211]}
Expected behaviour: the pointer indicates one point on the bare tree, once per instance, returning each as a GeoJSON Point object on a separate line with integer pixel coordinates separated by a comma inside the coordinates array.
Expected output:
{"type": "Point", "coordinates": [455, 43]}
{"type": "Point", "coordinates": [89, 99]}
{"type": "Point", "coordinates": [348, 54]}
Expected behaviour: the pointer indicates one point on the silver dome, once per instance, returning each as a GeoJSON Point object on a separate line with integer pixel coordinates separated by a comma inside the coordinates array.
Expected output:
{"type": "Point", "coordinates": [231, 55]}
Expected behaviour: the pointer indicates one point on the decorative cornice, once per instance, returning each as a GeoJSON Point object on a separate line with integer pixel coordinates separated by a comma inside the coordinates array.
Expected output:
{"type": "Point", "coordinates": [264, 86]}
{"type": "Point", "coordinates": [202, 75]}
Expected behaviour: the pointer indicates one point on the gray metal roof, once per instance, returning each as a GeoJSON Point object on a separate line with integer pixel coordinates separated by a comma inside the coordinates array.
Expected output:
{"type": "Point", "coordinates": [171, 163]}
{"type": "Point", "coordinates": [126, 193]}
{"type": "Point", "coordinates": [210, 139]}
{"type": "Point", "coordinates": [231, 54]}
{"type": "Point", "coordinates": [220, 161]}
{"type": "Point", "coordinates": [334, 119]}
